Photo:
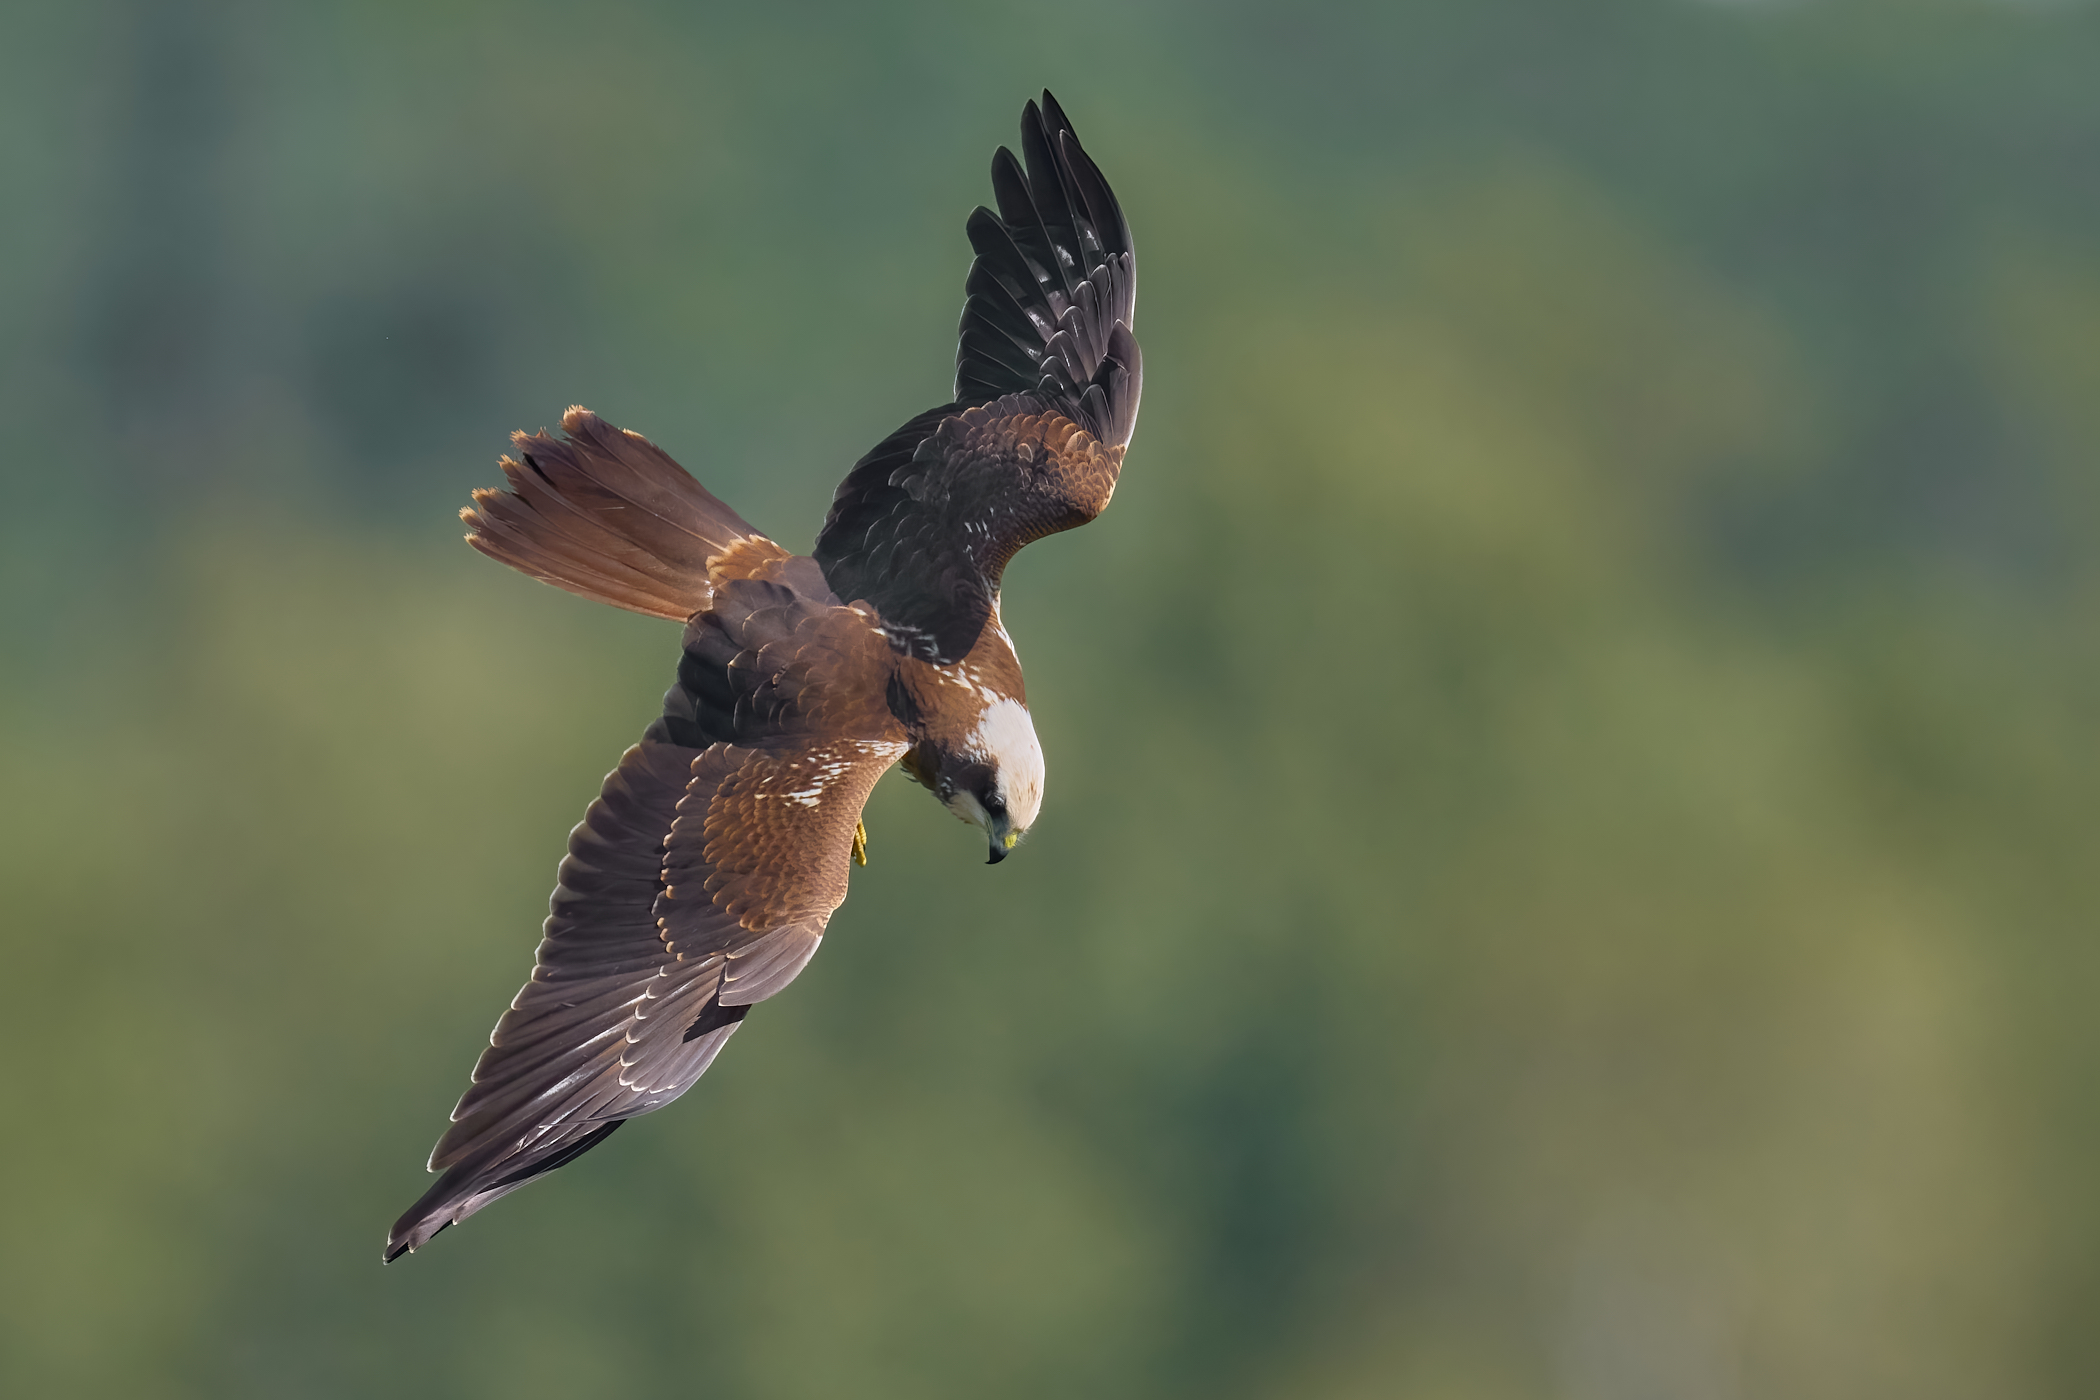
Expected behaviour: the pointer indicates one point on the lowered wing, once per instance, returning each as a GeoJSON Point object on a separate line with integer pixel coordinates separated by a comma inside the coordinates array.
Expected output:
{"type": "Point", "coordinates": [699, 883]}
{"type": "Point", "coordinates": [642, 976]}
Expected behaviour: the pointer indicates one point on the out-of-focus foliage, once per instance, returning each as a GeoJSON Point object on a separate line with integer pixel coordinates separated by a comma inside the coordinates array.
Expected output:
{"type": "Point", "coordinates": [1570, 861]}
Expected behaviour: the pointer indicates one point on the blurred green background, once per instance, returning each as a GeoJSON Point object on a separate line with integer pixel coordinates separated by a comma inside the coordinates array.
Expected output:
{"type": "Point", "coordinates": [1569, 868]}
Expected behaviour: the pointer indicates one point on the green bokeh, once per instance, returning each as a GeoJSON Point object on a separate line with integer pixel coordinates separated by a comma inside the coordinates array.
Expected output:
{"type": "Point", "coordinates": [1570, 862]}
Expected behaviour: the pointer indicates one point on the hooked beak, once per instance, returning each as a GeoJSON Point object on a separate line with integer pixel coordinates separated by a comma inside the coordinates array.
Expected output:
{"type": "Point", "coordinates": [1003, 842]}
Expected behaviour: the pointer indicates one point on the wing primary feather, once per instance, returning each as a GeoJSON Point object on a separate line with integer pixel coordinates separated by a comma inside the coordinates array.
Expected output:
{"type": "Point", "coordinates": [560, 1159]}
{"type": "Point", "coordinates": [1024, 221]}
{"type": "Point", "coordinates": [1050, 196]}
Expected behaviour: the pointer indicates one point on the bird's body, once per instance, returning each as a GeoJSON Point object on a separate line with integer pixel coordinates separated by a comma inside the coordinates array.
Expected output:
{"type": "Point", "coordinates": [701, 880]}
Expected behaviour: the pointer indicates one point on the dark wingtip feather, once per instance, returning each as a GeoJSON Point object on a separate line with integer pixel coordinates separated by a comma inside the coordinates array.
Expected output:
{"type": "Point", "coordinates": [467, 1187]}
{"type": "Point", "coordinates": [1057, 229]}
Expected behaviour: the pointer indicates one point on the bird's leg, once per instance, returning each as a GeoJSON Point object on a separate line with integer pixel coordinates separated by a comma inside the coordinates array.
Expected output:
{"type": "Point", "coordinates": [860, 843]}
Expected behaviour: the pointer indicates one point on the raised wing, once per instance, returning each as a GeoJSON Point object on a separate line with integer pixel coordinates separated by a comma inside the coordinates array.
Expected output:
{"type": "Point", "coordinates": [1047, 383]}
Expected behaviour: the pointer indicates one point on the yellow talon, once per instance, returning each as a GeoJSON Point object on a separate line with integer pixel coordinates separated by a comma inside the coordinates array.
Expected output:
{"type": "Point", "coordinates": [860, 844]}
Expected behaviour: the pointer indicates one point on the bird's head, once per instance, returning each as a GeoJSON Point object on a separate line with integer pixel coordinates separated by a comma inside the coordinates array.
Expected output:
{"type": "Point", "coordinates": [993, 779]}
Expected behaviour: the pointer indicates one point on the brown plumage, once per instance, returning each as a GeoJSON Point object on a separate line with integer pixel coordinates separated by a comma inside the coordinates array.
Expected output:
{"type": "Point", "coordinates": [701, 880]}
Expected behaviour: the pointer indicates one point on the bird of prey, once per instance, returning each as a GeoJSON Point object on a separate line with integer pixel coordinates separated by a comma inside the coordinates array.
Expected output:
{"type": "Point", "coordinates": [701, 880]}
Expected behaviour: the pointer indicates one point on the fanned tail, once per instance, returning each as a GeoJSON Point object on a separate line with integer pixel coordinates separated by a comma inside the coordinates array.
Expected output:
{"type": "Point", "coordinates": [607, 514]}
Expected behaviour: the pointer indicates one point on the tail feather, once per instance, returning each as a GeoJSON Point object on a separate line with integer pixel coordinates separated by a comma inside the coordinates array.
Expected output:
{"type": "Point", "coordinates": [607, 514]}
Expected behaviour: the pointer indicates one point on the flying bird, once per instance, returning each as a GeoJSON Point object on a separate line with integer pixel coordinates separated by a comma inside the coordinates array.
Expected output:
{"type": "Point", "coordinates": [701, 880]}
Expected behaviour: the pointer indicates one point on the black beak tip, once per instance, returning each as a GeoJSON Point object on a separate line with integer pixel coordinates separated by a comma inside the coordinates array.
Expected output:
{"type": "Point", "coordinates": [998, 854]}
